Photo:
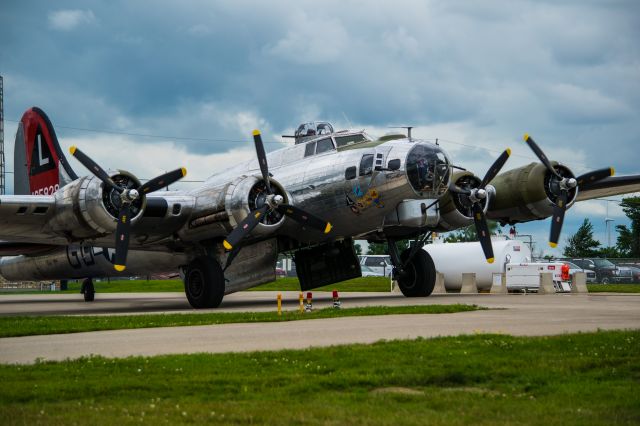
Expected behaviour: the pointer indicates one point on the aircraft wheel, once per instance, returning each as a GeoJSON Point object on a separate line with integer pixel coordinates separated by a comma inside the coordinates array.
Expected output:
{"type": "Point", "coordinates": [87, 290]}
{"type": "Point", "coordinates": [204, 283]}
{"type": "Point", "coordinates": [419, 276]}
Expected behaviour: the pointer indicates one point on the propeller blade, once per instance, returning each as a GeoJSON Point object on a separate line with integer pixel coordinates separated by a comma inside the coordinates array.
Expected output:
{"type": "Point", "coordinates": [94, 168]}
{"type": "Point", "coordinates": [495, 168]}
{"type": "Point", "coordinates": [543, 158]}
{"type": "Point", "coordinates": [262, 159]}
{"type": "Point", "coordinates": [482, 228]}
{"type": "Point", "coordinates": [162, 181]}
{"type": "Point", "coordinates": [457, 190]}
{"type": "Point", "coordinates": [558, 218]}
{"type": "Point", "coordinates": [594, 176]}
{"type": "Point", "coordinates": [122, 238]}
{"type": "Point", "coordinates": [304, 218]}
{"type": "Point", "coordinates": [244, 227]}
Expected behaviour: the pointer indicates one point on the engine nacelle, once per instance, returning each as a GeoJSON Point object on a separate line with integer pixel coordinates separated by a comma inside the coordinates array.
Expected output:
{"type": "Point", "coordinates": [246, 195]}
{"type": "Point", "coordinates": [90, 211]}
{"type": "Point", "coordinates": [455, 210]}
{"type": "Point", "coordinates": [526, 193]}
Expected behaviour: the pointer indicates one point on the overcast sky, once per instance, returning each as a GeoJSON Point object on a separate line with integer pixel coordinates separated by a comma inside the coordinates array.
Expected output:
{"type": "Point", "coordinates": [200, 75]}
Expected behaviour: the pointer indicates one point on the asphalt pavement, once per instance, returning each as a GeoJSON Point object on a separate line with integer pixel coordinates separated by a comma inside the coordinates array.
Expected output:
{"type": "Point", "coordinates": [521, 315]}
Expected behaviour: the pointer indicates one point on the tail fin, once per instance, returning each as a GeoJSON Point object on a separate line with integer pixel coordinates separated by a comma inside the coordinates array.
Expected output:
{"type": "Point", "coordinates": [38, 157]}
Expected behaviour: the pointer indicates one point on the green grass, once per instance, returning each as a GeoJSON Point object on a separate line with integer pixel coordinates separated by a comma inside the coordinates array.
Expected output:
{"type": "Point", "coordinates": [579, 379]}
{"type": "Point", "coordinates": [614, 288]}
{"type": "Point", "coordinates": [33, 325]}
{"type": "Point", "coordinates": [379, 284]}
{"type": "Point", "coordinates": [152, 286]}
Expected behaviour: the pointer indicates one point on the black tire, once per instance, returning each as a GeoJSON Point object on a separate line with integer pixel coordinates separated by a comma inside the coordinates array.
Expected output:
{"type": "Point", "coordinates": [204, 283]}
{"type": "Point", "coordinates": [419, 276]}
{"type": "Point", "coordinates": [87, 290]}
{"type": "Point", "coordinates": [606, 280]}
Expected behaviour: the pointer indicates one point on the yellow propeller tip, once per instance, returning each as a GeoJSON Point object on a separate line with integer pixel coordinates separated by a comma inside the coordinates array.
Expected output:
{"type": "Point", "coordinates": [490, 260]}
{"type": "Point", "coordinates": [613, 171]}
{"type": "Point", "coordinates": [508, 151]}
{"type": "Point", "coordinates": [119, 268]}
{"type": "Point", "coordinates": [226, 245]}
{"type": "Point", "coordinates": [256, 132]}
{"type": "Point", "coordinates": [72, 149]}
{"type": "Point", "coordinates": [327, 228]}
{"type": "Point", "coordinates": [184, 171]}
{"type": "Point", "coordinates": [552, 244]}
{"type": "Point", "coordinates": [525, 137]}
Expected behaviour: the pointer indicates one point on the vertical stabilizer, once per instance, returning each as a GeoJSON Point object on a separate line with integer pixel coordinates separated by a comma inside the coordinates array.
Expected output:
{"type": "Point", "coordinates": [40, 167]}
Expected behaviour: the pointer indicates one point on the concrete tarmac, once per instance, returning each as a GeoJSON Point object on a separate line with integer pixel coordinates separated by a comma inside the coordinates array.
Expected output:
{"type": "Point", "coordinates": [530, 315]}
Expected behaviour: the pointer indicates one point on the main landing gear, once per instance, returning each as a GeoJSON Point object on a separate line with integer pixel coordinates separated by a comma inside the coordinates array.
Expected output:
{"type": "Point", "coordinates": [414, 269]}
{"type": "Point", "coordinates": [204, 283]}
{"type": "Point", "coordinates": [87, 290]}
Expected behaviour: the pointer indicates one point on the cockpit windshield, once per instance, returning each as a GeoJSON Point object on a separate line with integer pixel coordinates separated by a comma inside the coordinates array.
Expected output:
{"type": "Point", "coordinates": [428, 170]}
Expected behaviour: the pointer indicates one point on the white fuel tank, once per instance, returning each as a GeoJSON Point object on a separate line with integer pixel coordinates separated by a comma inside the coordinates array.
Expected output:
{"type": "Point", "coordinates": [454, 259]}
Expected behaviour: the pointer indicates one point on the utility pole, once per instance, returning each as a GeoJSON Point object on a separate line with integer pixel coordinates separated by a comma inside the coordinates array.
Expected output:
{"type": "Point", "coordinates": [2, 184]}
{"type": "Point", "coordinates": [607, 224]}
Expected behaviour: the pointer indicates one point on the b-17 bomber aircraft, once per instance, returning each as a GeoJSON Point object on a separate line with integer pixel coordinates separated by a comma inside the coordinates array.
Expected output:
{"type": "Point", "coordinates": [311, 200]}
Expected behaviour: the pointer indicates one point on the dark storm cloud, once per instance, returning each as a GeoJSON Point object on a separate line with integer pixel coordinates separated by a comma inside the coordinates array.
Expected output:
{"type": "Point", "coordinates": [567, 71]}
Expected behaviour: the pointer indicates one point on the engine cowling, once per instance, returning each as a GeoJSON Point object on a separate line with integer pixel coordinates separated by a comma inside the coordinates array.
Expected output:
{"type": "Point", "coordinates": [455, 209]}
{"type": "Point", "coordinates": [526, 193]}
{"type": "Point", "coordinates": [85, 210]}
{"type": "Point", "coordinates": [246, 195]}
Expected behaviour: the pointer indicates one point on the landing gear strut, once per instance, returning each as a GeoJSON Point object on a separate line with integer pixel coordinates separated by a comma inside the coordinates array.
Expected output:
{"type": "Point", "coordinates": [204, 283]}
{"type": "Point", "coordinates": [414, 269]}
{"type": "Point", "coordinates": [88, 290]}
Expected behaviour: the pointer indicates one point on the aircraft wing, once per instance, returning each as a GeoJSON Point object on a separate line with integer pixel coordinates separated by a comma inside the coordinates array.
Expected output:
{"type": "Point", "coordinates": [26, 218]}
{"type": "Point", "coordinates": [614, 185]}
{"type": "Point", "coordinates": [34, 222]}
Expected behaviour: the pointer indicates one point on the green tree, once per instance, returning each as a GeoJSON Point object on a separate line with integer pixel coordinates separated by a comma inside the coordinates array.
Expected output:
{"type": "Point", "coordinates": [625, 241]}
{"type": "Point", "coordinates": [630, 243]}
{"type": "Point", "coordinates": [582, 244]}
{"type": "Point", "coordinates": [358, 249]}
{"type": "Point", "coordinates": [382, 248]}
{"type": "Point", "coordinates": [470, 234]}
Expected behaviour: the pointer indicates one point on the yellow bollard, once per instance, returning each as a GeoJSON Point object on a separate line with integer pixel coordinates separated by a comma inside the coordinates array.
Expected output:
{"type": "Point", "coordinates": [279, 304]}
{"type": "Point", "coordinates": [301, 299]}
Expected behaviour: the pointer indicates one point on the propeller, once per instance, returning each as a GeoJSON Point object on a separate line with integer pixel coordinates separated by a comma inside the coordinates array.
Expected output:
{"type": "Point", "coordinates": [475, 196]}
{"type": "Point", "coordinates": [124, 199]}
{"type": "Point", "coordinates": [270, 203]}
{"type": "Point", "coordinates": [561, 186]}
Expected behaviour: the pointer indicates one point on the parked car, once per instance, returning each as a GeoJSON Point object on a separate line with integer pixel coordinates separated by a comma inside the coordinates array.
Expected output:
{"type": "Point", "coordinates": [635, 271]}
{"type": "Point", "coordinates": [625, 275]}
{"type": "Point", "coordinates": [591, 275]}
{"type": "Point", "coordinates": [606, 272]}
{"type": "Point", "coordinates": [370, 272]}
{"type": "Point", "coordinates": [379, 263]}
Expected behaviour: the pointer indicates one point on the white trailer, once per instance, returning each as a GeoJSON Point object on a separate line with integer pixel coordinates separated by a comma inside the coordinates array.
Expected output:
{"type": "Point", "coordinates": [454, 259]}
{"type": "Point", "coordinates": [526, 276]}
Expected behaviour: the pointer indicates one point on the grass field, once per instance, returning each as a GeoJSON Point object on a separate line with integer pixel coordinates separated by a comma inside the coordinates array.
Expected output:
{"type": "Point", "coordinates": [26, 326]}
{"type": "Point", "coordinates": [377, 284]}
{"type": "Point", "coordinates": [578, 379]}
{"type": "Point", "coordinates": [614, 288]}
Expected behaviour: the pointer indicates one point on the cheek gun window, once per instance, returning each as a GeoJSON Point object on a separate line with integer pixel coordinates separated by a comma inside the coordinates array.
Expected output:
{"type": "Point", "coordinates": [366, 165]}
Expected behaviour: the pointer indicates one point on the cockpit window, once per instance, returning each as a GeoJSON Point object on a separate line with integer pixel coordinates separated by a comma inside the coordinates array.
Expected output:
{"type": "Point", "coordinates": [428, 170]}
{"type": "Point", "coordinates": [310, 149]}
{"type": "Point", "coordinates": [324, 145]}
{"type": "Point", "coordinates": [366, 165]}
